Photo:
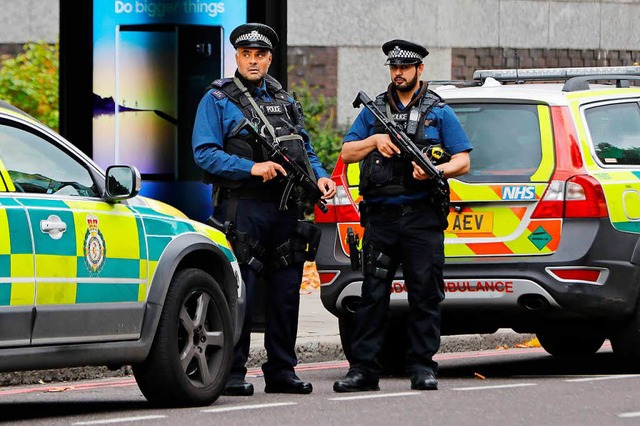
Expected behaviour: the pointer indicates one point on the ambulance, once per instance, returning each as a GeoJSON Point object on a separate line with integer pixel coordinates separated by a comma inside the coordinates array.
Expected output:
{"type": "Point", "coordinates": [92, 274]}
{"type": "Point", "coordinates": [544, 230]}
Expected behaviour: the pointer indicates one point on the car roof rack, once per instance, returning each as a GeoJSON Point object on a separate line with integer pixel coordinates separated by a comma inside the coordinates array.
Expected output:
{"type": "Point", "coordinates": [464, 83]}
{"type": "Point", "coordinates": [576, 78]}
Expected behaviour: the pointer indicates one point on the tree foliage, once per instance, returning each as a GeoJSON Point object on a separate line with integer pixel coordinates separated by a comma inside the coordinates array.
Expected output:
{"type": "Point", "coordinates": [29, 81]}
{"type": "Point", "coordinates": [319, 114]}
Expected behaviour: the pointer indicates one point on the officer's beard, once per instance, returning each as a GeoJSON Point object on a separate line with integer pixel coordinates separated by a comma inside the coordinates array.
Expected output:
{"type": "Point", "coordinates": [408, 86]}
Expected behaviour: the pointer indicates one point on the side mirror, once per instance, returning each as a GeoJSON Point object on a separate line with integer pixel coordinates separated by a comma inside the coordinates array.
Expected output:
{"type": "Point", "coordinates": [122, 182]}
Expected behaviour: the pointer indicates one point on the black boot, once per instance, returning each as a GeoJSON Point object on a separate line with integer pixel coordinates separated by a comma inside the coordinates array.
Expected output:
{"type": "Point", "coordinates": [238, 386]}
{"type": "Point", "coordinates": [357, 381]}
{"type": "Point", "coordinates": [424, 381]}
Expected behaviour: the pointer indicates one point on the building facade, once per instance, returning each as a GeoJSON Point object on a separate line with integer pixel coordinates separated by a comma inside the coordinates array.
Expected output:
{"type": "Point", "coordinates": [335, 45]}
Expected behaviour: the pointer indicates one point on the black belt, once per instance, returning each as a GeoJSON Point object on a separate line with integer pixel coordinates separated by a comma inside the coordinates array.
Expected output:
{"type": "Point", "coordinates": [397, 210]}
{"type": "Point", "coordinates": [264, 194]}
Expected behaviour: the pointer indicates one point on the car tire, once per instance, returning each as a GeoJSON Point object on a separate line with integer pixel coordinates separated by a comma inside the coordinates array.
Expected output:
{"type": "Point", "coordinates": [191, 354]}
{"type": "Point", "coordinates": [625, 340]}
{"type": "Point", "coordinates": [571, 342]}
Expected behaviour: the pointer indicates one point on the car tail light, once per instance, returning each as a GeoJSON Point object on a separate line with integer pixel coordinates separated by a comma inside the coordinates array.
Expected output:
{"type": "Point", "coordinates": [342, 207]}
{"type": "Point", "coordinates": [579, 197]}
{"type": "Point", "coordinates": [326, 277]}
{"type": "Point", "coordinates": [571, 192]}
{"type": "Point", "coordinates": [588, 275]}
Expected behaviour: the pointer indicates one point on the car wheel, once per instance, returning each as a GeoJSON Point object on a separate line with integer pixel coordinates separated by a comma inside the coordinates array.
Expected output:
{"type": "Point", "coordinates": [568, 342]}
{"type": "Point", "coordinates": [625, 340]}
{"type": "Point", "coordinates": [191, 355]}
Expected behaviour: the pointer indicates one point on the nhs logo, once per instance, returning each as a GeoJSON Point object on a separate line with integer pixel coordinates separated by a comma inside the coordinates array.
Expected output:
{"type": "Point", "coordinates": [518, 192]}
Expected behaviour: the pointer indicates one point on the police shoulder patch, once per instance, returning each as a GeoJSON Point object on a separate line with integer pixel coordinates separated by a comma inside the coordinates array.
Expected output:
{"type": "Point", "coordinates": [218, 94]}
{"type": "Point", "coordinates": [221, 82]}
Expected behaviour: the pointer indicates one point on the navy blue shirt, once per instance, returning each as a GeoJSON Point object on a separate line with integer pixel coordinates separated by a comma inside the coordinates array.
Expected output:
{"type": "Point", "coordinates": [447, 131]}
{"type": "Point", "coordinates": [216, 117]}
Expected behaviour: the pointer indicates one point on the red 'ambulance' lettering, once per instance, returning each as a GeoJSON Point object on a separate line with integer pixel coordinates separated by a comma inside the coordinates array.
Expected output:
{"type": "Point", "coordinates": [478, 286]}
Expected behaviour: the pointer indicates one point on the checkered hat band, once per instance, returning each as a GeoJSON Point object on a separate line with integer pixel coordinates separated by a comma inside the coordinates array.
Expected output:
{"type": "Point", "coordinates": [254, 36]}
{"type": "Point", "coordinates": [403, 54]}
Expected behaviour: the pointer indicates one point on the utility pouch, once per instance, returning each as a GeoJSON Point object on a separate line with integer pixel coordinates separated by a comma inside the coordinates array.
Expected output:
{"type": "Point", "coordinates": [378, 169]}
{"type": "Point", "coordinates": [307, 237]}
{"type": "Point", "coordinates": [377, 263]}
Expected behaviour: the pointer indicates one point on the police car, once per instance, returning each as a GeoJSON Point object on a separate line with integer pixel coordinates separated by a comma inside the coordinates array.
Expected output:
{"type": "Point", "coordinates": [93, 274]}
{"type": "Point", "coordinates": [543, 231]}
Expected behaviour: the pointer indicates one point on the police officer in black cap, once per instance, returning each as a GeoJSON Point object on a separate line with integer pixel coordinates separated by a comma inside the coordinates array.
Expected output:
{"type": "Point", "coordinates": [247, 188]}
{"type": "Point", "coordinates": [403, 221]}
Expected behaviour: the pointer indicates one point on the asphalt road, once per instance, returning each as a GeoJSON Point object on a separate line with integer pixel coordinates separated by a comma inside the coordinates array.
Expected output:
{"type": "Point", "coordinates": [496, 387]}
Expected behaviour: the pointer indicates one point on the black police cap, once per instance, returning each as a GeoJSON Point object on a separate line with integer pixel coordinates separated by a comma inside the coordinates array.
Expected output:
{"type": "Point", "coordinates": [254, 35]}
{"type": "Point", "coordinates": [403, 52]}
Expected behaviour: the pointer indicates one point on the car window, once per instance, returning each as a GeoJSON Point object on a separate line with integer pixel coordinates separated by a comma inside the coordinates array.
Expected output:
{"type": "Point", "coordinates": [35, 165]}
{"type": "Point", "coordinates": [506, 141]}
{"type": "Point", "coordinates": [615, 132]}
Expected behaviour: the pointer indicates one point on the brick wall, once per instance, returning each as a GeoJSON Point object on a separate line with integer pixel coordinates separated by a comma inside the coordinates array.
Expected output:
{"type": "Point", "coordinates": [318, 66]}
{"type": "Point", "coordinates": [465, 61]}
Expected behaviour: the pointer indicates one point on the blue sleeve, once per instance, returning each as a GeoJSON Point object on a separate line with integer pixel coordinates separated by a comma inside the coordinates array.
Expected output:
{"type": "Point", "coordinates": [215, 118]}
{"type": "Point", "coordinates": [453, 136]}
{"type": "Point", "coordinates": [361, 128]}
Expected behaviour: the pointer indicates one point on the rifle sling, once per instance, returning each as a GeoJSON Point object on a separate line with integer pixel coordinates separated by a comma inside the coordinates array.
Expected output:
{"type": "Point", "coordinates": [255, 106]}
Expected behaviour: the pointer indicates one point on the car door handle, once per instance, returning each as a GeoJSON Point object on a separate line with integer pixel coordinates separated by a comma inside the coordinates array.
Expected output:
{"type": "Point", "coordinates": [53, 226]}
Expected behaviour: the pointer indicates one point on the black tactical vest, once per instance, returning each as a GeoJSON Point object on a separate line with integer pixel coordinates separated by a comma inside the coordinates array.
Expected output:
{"type": "Point", "coordinates": [381, 176]}
{"type": "Point", "coordinates": [287, 120]}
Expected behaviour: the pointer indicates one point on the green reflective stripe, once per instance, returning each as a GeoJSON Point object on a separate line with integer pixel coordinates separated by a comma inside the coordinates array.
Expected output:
{"type": "Point", "coordinates": [159, 226]}
{"type": "Point", "coordinates": [147, 211]}
{"type": "Point", "coordinates": [5, 265]}
{"type": "Point", "coordinates": [113, 268]}
{"type": "Point", "coordinates": [44, 244]}
{"type": "Point", "coordinates": [627, 226]}
{"type": "Point", "coordinates": [9, 202]}
{"type": "Point", "coordinates": [5, 294]}
{"type": "Point", "coordinates": [104, 293]}
{"type": "Point", "coordinates": [39, 202]}
{"type": "Point", "coordinates": [141, 240]}
{"type": "Point", "coordinates": [157, 246]}
{"type": "Point", "coordinates": [19, 235]}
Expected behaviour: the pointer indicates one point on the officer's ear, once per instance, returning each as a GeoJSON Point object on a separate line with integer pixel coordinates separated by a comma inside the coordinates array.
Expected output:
{"type": "Point", "coordinates": [420, 68]}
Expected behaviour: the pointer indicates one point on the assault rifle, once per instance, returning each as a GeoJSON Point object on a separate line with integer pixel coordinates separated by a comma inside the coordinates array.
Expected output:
{"type": "Point", "coordinates": [407, 148]}
{"type": "Point", "coordinates": [296, 176]}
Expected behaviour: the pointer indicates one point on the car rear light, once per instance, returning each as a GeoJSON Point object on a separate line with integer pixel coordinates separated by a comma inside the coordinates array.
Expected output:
{"type": "Point", "coordinates": [327, 277]}
{"type": "Point", "coordinates": [579, 197]}
{"type": "Point", "coordinates": [588, 275]}
{"type": "Point", "coordinates": [584, 198]}
{"type": "Point", "coordinates": [341, 208]}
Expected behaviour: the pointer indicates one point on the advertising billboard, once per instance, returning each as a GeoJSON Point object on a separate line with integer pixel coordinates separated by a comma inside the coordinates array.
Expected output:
{"type": "Point", "coordinates": [152, 62]}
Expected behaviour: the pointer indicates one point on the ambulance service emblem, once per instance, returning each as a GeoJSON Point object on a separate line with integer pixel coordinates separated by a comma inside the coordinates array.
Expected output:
{"type": "Point", "coordinates": [95, 248]}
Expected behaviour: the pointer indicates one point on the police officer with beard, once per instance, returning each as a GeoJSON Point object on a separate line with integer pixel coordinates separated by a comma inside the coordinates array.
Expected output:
{"type": "Point", "coordinates": [403, 220]}
{"type": "Point", "coordinates": [269, 242]}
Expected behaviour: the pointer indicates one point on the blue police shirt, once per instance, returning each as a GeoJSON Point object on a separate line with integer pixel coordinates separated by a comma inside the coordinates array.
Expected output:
{"type": "Point", "coordinates": [447, 131]}
{"type": "Point", "coordinates": [215, 118]}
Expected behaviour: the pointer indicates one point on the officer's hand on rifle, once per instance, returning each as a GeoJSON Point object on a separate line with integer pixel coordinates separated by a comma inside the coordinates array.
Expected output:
{"type": "Point", "coordinates": [384, 144]}
{"type": "Point", "coordinates": [328, 188]}
{"type": "Point", "coordinates": [267, 170]}
{"type": "Point", "coordinates": [418, 173]}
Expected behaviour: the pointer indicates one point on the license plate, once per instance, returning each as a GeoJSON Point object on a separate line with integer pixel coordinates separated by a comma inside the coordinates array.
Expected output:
{"type": "Point", "coordinates": [470, 222]}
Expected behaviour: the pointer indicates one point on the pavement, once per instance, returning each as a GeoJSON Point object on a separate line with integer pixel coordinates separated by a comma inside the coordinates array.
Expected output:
{"type": "Point", "coordinates": [318, 340]}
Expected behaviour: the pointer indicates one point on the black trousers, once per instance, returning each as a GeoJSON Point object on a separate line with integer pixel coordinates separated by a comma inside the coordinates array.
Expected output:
{"type": "Point", "coordinates": [262, 221]}
{"type": "Point", "coordinates": [416, 240]}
